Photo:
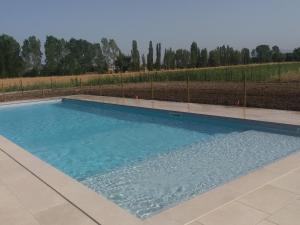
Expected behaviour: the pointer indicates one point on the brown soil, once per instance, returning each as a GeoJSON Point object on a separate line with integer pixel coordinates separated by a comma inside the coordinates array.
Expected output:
{"type": "Point", "coordinates": [275, 95]}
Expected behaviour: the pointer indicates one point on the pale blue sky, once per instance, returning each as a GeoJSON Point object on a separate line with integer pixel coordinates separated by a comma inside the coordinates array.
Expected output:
{"type": "Point", "coordinates": [174, 23]}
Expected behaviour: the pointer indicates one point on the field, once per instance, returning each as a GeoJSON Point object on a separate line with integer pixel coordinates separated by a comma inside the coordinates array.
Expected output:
{"type": "Point", "coordinates": [265, 85]}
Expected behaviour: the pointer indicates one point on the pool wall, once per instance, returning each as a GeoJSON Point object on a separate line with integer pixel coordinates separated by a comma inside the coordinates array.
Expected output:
{"type": "Point", "coordinates": [105, 212]}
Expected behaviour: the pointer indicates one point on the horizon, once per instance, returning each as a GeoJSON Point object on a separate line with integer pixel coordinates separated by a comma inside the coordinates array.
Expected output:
{"type": "Point", "coordinates": [172, 23]}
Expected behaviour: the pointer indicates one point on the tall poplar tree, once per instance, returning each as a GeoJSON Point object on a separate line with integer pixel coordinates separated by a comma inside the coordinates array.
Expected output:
{"type": "Point", "coordinates": [194, 54]}
{"type": "Point", "coordinates": [150, 57]}
{"type": "Point", "coordinates": [143, 62]}
{"type": "Point", "coordinates": [135, 57]}
{"type": "Point", "coordinates": [204, 57]}
{"type": "Point", "coordinates": [158, 57]}
{"type": "Point", "coordinates": [245, 56]}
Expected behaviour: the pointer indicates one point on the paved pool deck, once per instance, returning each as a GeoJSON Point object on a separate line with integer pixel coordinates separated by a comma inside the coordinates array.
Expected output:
{"type": "Point", "coordinates": [33, 192]}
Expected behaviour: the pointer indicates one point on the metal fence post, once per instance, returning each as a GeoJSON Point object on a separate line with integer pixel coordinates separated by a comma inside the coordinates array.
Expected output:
{"type": "Point", "coordinates": [279, 72]}
{"type": "Point", "coordinates": [122, 86]}
{"type": "Point", "coordinates": [151, 79]}
{"type": "Point", "coordinates": [99, 84]}
{"type": "Point", "coordinates": [21, 85]}
{"type": "Point", "coordinates": [188, 87]}
{"type": "Point", "coordinates": [80, 85]}
{"type": "Point", "coordinates": [51, 83]}
{"type": "Point", "coordinates": [2, 90]}
{"type": "Point", "coordinates": [245, 90]}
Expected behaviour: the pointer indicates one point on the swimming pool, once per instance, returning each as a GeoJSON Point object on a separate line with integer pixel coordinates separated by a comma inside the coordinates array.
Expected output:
{"type": "Point", "coordinates": [144, 160]}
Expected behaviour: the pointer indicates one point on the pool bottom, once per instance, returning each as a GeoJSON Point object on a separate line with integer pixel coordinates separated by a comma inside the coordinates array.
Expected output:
{"type": "Point", "coordinates": [161, 182]}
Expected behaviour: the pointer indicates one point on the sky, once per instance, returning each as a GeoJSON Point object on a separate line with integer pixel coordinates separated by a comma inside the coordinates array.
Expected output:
{"type": "Point", "coordinates": [174, 23]}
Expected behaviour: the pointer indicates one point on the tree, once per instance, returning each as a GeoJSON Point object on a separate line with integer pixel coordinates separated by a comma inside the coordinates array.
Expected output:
{"type": "Point", "coordinates": [277, 56]}
{"type": "Point", "coordinates": [262, 53]}
{"type": "Point", "coordinates": [194, 55]}
{"type": "Point", "coordinates": [203, 57]}
{"type": "Point", "coordinates": [135, 57]}
{"type": "Point", "coordinates": [150, 57]}
{"type": "Point", "coordinates": [11, 63]}
{"type": "Point", "coordinates": [143, 62]}
{"type": "Point", "coordinates": [214, 58]}
{"type": "Point", "coordinates": [55, 52]}
{"type": "Point", "coordinates": [169, 59]}
{"type": "Point", "coordinates": [122, 63]}
{"type": "Point", "coordinates": [32, 56]}
{"type": "Point", "coordinates": [183, 58]}
{"type": "Point", "coordinates": [289, 57]}
{"type": "Point", "coordinates": [296, 54]}
{"type": "Point", "coordinates": [110, 50]}
{"type": "Point", "coordinates": [245, 56]}
{"type": "Point", "coordinates": [158, 57]}
{"type": "Point", "coordinates": [235, 57]}
{"type": "Point", "coordinates": [99, 62]}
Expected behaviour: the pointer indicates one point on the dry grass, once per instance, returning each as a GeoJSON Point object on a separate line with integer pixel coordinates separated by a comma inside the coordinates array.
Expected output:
{"type": "Point", "coordinates": [288, 77]}
{"type": "Point", "coordinates": [30, 81]}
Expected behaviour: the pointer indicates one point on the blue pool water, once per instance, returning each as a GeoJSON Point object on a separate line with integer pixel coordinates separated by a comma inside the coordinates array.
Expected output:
{"type": "Point", "coordinates": [144, 160]}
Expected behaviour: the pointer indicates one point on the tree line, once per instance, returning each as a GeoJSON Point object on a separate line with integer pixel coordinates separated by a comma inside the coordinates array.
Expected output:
{"type": "Point", "coordinates": [78, 56]}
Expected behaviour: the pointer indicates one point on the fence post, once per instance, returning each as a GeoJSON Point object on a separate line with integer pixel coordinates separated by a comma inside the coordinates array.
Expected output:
{"type": "Point", "coordinates": [279, 72]}
{"type": "Point", "coordinates": [51, 84]}
{"type": "Point", "coordinates": [151, 79]}
{"type": "Point", "coordinates": [245, 90]}
{"type": "Point", "coordinates": [122, 87]}
{"type": "Point", "coordinates": [80, 85]}
{"type": "Point", "coordinates": [21, 85]}
{"type": "Point", "coordinates": [188, 87]}
{"type": "Point", "coordinates": [2, 90]}
{"type": "Point", "coordinates": [99, 84]}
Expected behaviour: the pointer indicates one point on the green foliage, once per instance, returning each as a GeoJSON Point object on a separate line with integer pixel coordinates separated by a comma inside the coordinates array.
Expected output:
{"type": "Point", "coordinates": [296, 54]}
{"type": "Point", "coordinates": [203, 58]}
{"type": "Point", "coordinates": [224, 56]}
{"type": "Point", "coordinates": [73, 57]}
{"type": "Point", "coordinates": [111, 51]}
{"type": "Point", "coordinates": [122, 63]}
{"type": "Point", "coordinates": [55, 51]}
{"type": "Point", "coordinates": [135, 57]}
{"type": "Point", "coordinates": [245, 56]}
{"type": "Point", "coordinates": [144, 65]}
{"type": "Point", "coordinates": [214, 58]}
{"type": "Point", "coordinates": [158, 56]}
{"type": "Point", "coordinates": [32, 56]}
{"type": "Point", "coordinates": [78, 56]}
{"type": "Point", "coordinates": [277, 56]}
{"type": "Point", "coordinates": [11, 63]}
{"type": "Point", "coordinates": [182, 58]}
{"type": "Point", "coordinates": [169, 59]}
{"type": "Point", "coordinates": [150, 57]}
{"type": "Point", "coordinates": [194, 55]}
{"type": "Point", "coordinates": [262, 54]}
{"type": "Point", "coordinates": [256, 73]}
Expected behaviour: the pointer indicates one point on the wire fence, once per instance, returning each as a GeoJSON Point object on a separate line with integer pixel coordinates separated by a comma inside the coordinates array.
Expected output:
{"type": "Point", "coordinates": [269, 85]}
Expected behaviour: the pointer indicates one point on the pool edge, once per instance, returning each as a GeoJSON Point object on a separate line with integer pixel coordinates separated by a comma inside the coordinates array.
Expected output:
{"type": "Point", "coordinates": [183, 213]}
